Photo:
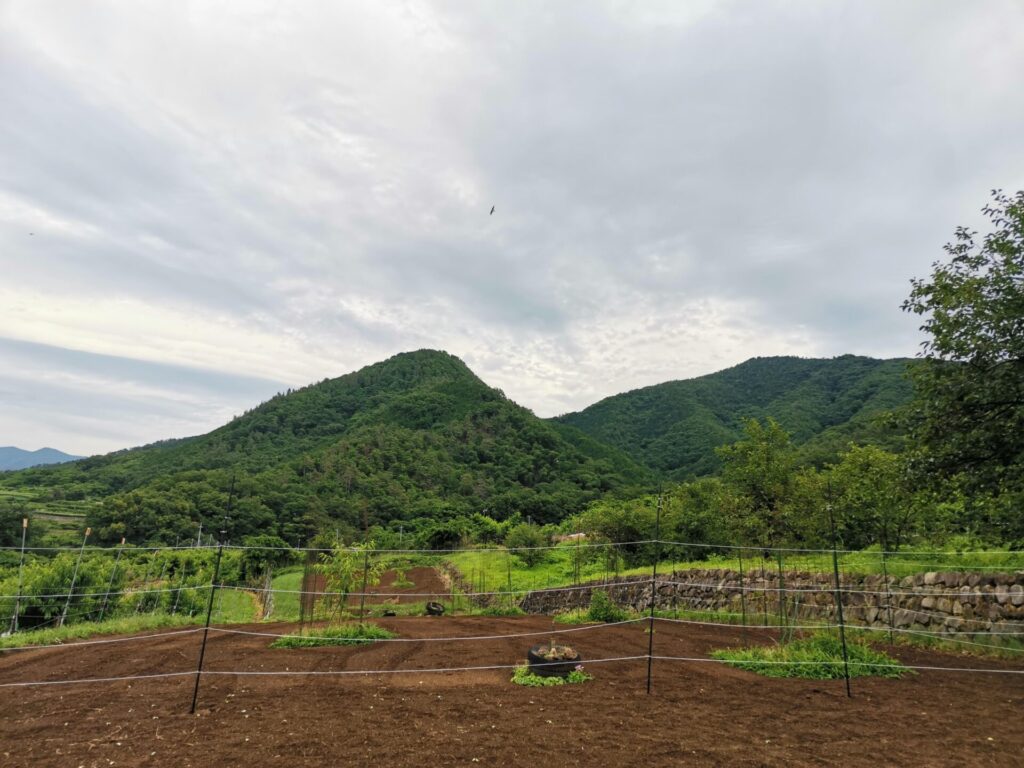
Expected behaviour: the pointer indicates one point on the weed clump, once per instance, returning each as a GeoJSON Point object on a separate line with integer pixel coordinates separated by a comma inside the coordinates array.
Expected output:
{"type": "Point", "coordinates": [819, 657]}
{"type": "Point", "coordinates": [346, 634]}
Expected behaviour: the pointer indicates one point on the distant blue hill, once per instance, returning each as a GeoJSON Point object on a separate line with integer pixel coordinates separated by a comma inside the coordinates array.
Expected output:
{"type": "Point", "coordinates": [16, 458]}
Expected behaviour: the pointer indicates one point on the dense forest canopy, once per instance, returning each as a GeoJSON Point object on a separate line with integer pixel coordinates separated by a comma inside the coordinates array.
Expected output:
{"type": "Point", "coordinates": [825, 405]}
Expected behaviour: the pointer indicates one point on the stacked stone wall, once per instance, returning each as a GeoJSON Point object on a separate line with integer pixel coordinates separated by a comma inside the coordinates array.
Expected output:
{"type": "Point", "coordinates": [943, 602]}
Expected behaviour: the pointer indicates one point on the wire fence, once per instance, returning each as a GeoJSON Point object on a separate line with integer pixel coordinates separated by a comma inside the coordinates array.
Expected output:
{"type": "Point", "coordinates": [780, 592]}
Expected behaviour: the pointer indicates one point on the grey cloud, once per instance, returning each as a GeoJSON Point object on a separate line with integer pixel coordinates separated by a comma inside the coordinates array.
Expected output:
{"type": "Point", "coordinates": [98, 402]}
{"type": "Point", "coordinates": [798, 160]}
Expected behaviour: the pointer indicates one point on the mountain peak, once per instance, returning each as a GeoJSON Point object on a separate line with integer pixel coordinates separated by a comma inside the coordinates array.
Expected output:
{"type": "Point", "coordinates": [12, 457]}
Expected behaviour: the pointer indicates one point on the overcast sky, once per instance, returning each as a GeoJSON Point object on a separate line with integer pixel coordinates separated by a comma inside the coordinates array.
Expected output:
{"type": "Point", "coordinates": [202, 203]}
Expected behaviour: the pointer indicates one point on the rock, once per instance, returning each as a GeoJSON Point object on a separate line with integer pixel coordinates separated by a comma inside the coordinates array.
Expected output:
{"type": "Point", "coordinates": [928, 603]}
{"type": "Point", "coordinates": [930, 578]}
{"type": "Point", "coordinates": [1017, 594]}
{"type": "Point", "coordinates": [1002, 593]}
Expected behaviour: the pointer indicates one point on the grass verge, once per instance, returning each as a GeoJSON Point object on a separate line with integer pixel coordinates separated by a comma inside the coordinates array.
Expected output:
{"type": "Point", "coordinates": [119, 626]}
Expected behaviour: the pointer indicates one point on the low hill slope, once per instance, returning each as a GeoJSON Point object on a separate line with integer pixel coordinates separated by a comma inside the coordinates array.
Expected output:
{"type": "Point", "coordinates": [674, 427]}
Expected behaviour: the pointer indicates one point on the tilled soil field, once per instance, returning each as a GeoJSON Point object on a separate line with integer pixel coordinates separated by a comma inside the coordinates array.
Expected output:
{"type": "Point", "coordinates": [697, 713]}
{"type": "Point", "coordinates": [426, 584]}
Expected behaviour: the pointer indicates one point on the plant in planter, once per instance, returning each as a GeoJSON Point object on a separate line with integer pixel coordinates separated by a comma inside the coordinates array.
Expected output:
{"type": "Point", "coordinates": [523, 676]}
{"type": "Point", "coordinates": [552, 660]}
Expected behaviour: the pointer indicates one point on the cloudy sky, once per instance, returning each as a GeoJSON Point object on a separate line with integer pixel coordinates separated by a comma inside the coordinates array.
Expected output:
{"type": "Point", "coordinates": [202, 203]}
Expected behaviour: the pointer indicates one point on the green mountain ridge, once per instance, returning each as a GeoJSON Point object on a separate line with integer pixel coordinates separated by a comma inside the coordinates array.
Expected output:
{"type": "Point", "coordinates": [415, 436]}
{"type": "Point", "coordinates": [674, 427]}
{"type": "Point", "coordinates": [420, 438]}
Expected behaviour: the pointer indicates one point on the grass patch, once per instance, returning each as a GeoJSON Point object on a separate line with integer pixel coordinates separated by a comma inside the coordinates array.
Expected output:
{"type": "Point", "coordinates": [119, 626]}
{"type": "Point", "coordinates": [523, 676]}
{"type": "Point", "coordinates": [819, 657]}
{"type": "Point", "coordinates": [286, 604]}
{"type": "Point", "coordinates": [345, 634]}
{"type": "Point", "coordinates": [231, 606]}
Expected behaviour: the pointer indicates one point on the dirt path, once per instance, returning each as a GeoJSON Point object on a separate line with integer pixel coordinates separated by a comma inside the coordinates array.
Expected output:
{"type": "Point", "coordinates": [698, 714]}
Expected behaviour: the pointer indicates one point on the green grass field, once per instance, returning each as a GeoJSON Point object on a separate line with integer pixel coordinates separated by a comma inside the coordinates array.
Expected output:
{"type": "Point", "coordinates": [488, 571]}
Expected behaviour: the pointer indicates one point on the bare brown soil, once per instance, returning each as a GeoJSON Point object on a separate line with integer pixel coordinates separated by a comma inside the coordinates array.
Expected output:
{"type": "Point", "coordinates": [426, 585]}
{"type": "Point", "coordinates": [697, 714]}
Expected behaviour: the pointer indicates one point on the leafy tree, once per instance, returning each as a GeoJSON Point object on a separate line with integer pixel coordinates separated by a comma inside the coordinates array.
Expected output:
{"type": "Point", "coordinates": [524, 541]}
{"type": "Point", "coordinates": [968, 412]}
{"type": "Point", "coordinates": [871, 498]}
{"type": "Point", "coordinates": [346, 568]}
{"type": "Point", "coordinates": [760, 468]}
{"type": "Point", "coordinates": [11, 515]}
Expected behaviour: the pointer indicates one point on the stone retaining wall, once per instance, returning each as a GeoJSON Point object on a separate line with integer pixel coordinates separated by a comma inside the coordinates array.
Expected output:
{"type": "Point", "coordinates": [929, 602]}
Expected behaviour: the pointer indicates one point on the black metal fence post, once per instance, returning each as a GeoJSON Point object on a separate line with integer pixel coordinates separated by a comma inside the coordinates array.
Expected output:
{"type": "Point", "coordinates": [654, 592]}
{"type": "Point", "coordinates": [839, 603]}
{"type": "Point", "coordinates": [366, 578]}
{"type": "Point", "coordinates": [781, 594]}
{"type": "Point", "coordinates": [508, 565]}
{"type": "Point", "coordinates": [206, 630]}
{"type": "Point", "coordinates": [743, 595]}
{"type": "Point", "coordinates": [888, 592]}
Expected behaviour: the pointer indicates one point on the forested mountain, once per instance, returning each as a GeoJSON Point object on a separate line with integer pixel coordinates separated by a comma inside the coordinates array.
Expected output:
{"type": "Point", "coordinates": [416, 436]}
{"type": "Point", "coordinates": [673, 428]}
{"type": "Point", "coordinates": [18, 458]}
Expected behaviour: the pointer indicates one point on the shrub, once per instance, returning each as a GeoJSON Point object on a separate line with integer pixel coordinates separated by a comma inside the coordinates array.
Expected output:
{"type": "Point", "coordinates": [525, 540]}
{"type": "Point", "coordinates": [603, 609]}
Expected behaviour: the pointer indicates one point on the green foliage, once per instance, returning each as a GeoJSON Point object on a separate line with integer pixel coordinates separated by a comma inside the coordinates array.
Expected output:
{"type": "Point", "coordinates": [46, 584]}
{"type": "Point", "coordinates": [819, 657]}
{"type": "Point", "coordinates": [263, 555]}
{"type": "Point", "coordinates": [825, 405]}
{"type": "Point", "coordinates": [603, 609]}
{"type": "Point", "coordinates": [760, 469]}
{"type": "Point", "coordinates": [523, 676]}
{"type": "Point", "coordinates": [967, 417]}
{"type": "Point", "coordinates": [344, 634]}
{"type": "Point", "coordinates": [12, 512]}
{"type": "Point", "coordinates": [524, 541]}
{"type": "Point", "coordinates": [346, 569]}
